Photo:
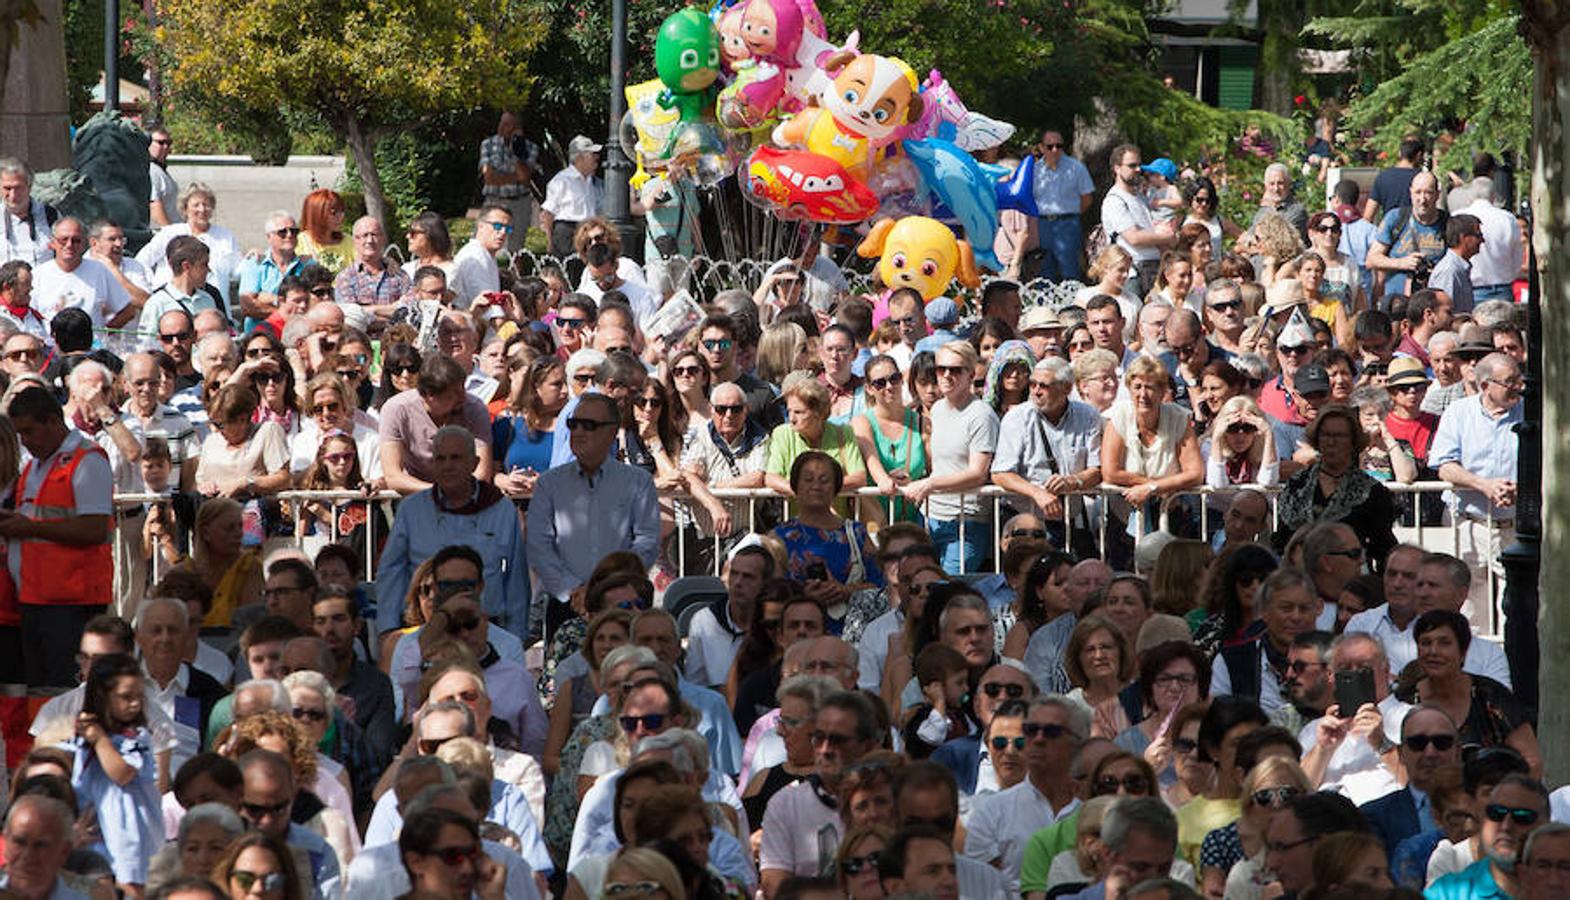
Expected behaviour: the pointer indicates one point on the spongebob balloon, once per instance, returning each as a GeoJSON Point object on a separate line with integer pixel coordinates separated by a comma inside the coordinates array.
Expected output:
{"type": "Point", "coordinates": [653, 128]}
{"type": "Point", "coordinates": [920, 253]}
{"type": "Point", "coordinates": [687, 59]}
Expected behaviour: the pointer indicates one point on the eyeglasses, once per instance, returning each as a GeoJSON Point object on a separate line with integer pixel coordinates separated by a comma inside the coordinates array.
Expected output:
{"type": "Point", "coordinates": [1047, 732]}
{"type": "Point", "coordinates": [1184, 681]}
{"type": "Point", "coordinates": [332, 407]}
{"type": "Point", "coordinates": [570, 324]}
{"type": "Point", "coordinates": [1349, 553]}
{"type": "Point", "coordinates": [729, 409]}
{"type": "Point", "coordinates": [17, 355]}
{"type": "Point", "coordinates": [648, 402]}
{"type": "Point", "coordinates": [456, 856]}
{"type": "Point", "coordinates": [503, 227]}
{"type": "Point", "coordinates": [649, 722]}
{"type": "Point", "coordinates": [258, 811]}
{"type": "Point", "coordinates": [1241, 428]}
{"type": "Point", "coordinates": [1134, 783]}
{"type": "Point", "coordinates": [687, 371]}
{"type": "Point", "coordinates": [1002, 743]}
{"type": "Point", "coordinates": [832, 738]}
{"type": "Point", "coordinates": [591, 425]}
{"type": "Point", "coordinates": [270, 881]}
{"type": "Point", "coordinates": [632, 888]}
{"type": "Point", "coordinates": [309, 715]}
{"type": "Point", "coordinates": [1275, 797]}
{"type": "Point", "coordinates": [952, 370]}
{"type": "Point", "coordinates": [1284, 846]}
{"type": "Point", "coordinates": [717, 344]}
{"type": "Point", "coordinates": [853, 865]}
{"type": "Point", "coordinates": [182, 337]}
{"type": "Point", "coordinates": [1226, 305]}
{"type": "Point", "coordinates": [1418, 743]}
{"type": "Point", "coordinates": [1497, 812]}
{"type": "Point", "coordinates": [994, 689]}
{"type": "Point", "coordinates": [286, 232]}
{"type": "Point", "coordinates": [1203, 198]}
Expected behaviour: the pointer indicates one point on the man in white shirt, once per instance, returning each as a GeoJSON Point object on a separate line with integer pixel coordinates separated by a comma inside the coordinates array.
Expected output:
{"type": "Point", "coordinates": [716, 632]}
{"type": "Point", "coordinates": [24, 222]}
{"type": "Point", "coordinates": [16, 306]}
{"type": "Point", "coordinates": [73, 279]}
{"type": "Point", "coordinates": [1443, 583]}
{"type": "Point", "coordinates": [1001, 824]}
{"type": "Point", "coordinates": [1499, 260]}
{"type": "Point", "coordinates": [601, 276]}
{"type": "Point", "coordinates": [163, 203]}
{"type": "Point", "coordinates": [1127, 220]}
{"type": "Point", "coordinates": [572, 196]}
{"type": "Point", "coordinates": [474, 267]}
{"type": "Point", "coordinates": [1353, 752]}
{"type": "Point", "coordinates": [925, 796]}
{"type": "Point", "coordinates": [106, 244]}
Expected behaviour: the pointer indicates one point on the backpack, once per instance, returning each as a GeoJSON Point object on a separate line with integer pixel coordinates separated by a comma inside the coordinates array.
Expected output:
{"type": "Point", "coordinates": [1099, 238]}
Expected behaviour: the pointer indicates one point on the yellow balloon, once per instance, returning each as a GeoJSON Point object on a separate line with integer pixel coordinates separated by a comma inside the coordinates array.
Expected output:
{"type": "Point", "coordinates": [921, 253]}
{"type": "Point", "coordinates": [654, 126]}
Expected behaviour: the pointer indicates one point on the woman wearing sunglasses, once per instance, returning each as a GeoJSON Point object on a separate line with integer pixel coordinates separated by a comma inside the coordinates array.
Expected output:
{"type": "Point", "coordinates": [1204, 208]}
{"type": "Point", "coordinates": [400, 372]}
{"type": "Point", "coordinates": [689, 380]}
{"type": "Point", "coordinates": [856, 864]}
{"type": "Point", "coordinates": [1233, 858]}
{"type": "Point", "coordinates": [1228, 596]}
{"type": "Point", "coordinates": [889, 433]}
{"type": "Point", "coordinates": [444, 858]}
{"type": "Point", "coordinates": [258, 867]}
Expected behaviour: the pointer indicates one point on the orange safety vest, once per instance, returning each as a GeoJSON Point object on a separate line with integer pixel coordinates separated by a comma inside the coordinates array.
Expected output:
{"type": "Point", "coordinates": [62, 574]}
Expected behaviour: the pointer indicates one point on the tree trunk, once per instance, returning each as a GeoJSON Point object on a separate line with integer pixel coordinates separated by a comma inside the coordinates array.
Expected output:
{"type": "Point", "coordinates": [1546, 27]}
{"type": "Point", "coordinates": [362, 147]}
{"type": "Point", "coordinates": [1281, 21]}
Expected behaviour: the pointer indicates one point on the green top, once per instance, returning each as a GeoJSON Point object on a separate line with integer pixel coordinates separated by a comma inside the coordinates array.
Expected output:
{"type": "Point", "coordinates": [908, 452]}
{"type": "Point", "coordinates": [838, 441]}
{"type": "Point", "coordinates": [1044, 846]}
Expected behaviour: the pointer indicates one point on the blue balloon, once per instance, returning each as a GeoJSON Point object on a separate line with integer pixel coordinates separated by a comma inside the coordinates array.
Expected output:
{"type": "Point", "coordinates": [957, 182]}
{"type": "Point", "coordinates": [1018, 192]}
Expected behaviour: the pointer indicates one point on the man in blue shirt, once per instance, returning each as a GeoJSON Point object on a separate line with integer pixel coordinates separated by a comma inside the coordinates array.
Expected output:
{"type": "Point", "coordinates": [259, 278]}
{"type": "Point", "coordinates": [1408, 239]}
{"type": "Point", "coordinates": [1516, 808]}
{"type": "Point", "coordinates": [1063, 191]}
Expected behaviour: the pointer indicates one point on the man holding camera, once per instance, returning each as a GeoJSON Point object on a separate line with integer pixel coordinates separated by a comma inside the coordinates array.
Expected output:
{"type": "Point", "coordinates": [1409, 241]}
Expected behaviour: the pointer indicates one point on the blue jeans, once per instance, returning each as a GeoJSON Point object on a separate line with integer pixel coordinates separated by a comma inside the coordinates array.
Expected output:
{"type": "Point", "coordinates": [973, 550]}
{"type": "Point", "coordinates": [1483, 292]}
{"type": "Point", "coordinates": [1061, 243]}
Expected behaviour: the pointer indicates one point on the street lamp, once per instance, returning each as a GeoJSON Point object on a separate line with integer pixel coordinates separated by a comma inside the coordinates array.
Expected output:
{"type": "Point", "coordinates": [618, 168]}
{"type": "Point", "coordinates": [1522, 558]}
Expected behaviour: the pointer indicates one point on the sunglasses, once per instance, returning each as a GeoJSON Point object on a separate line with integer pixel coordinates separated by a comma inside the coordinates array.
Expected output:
{"type": "Point", "coordinates": [181, 338]}
{"type": "Point", "coordinates": [286, 232]}
{"type": "Point", "coordinates": [1134, 783]}
{"type": "Point", "coordinates": [591, 425]}
{"type": "Point", "coordinates": [1002, 743]}
{"type": "Point", "coordinates": [718, 344]}
{"type": "Point", "coordinates": [456, 856]}
{"type": "Point", "coordinates": [271, 881]}
{"type": "Point", "coordinates": [403, 369]}
{"type": "Point", "coordinates": [648, 403]}
{"type": "Point", "coordinates": [1052, 146]}
{"type": "Point", "coordinates": [633, 889]}
{"type": "Point", "coordinates": [256, 811]}
{"type": "Point", "coordinates": [1047, 732]}
{"type": "Point", "coordinates": [853, 865]}
{"type": "Point", "coordinates": [1417, 743]}
{"type": "Point", "coordinates": [571, 324]}
{"type": "Point", "coordinates": [1301, 350]}
{"type": "Point", "coordinates": [348, 374]}
{"type": "Point", "coordinates": [503, 227]}
{"type": "Point", "coordinates": [342, 456]}
{"type": "Point", "coordinates": [1241, 428]}
{"type": "Point", "coordinates": [1037, 533]}
{"type": "Point", "coordinates": [729, 409]}
{"type": "Point", "coordinates": [302, 714]}
{"type": "Point", "coordinates": [1497, 812]}
{"type": "Point", "coordinates": [979, 384]}
{"type": "Point", "coordinates": [325, 290]}
{"type": "Point", "coordinates": [994, 689]}
{"type": "Point", "coordinates": [1227, 305]}
{"type": "Point", "coordinates": [332, 407]}
{"type": "Point", "coordinates": [952, 370]}
{"type": "Point", "coordinates": [1276, 797]}
{"type": "Point", "coordinates": [649, 722]}
{"type": "Point", "coordinates": [267, 377]}
{"type": "Point", "coordinates": [886, 381]}
{"type": "Point", "coordinates": [467, 623]}
{"type": "Point", "coordinates": [639, 603]}
{"type": "Point", "coordinates": [687, 371]}
{"type": "Point", "coordinates": [771, 625]}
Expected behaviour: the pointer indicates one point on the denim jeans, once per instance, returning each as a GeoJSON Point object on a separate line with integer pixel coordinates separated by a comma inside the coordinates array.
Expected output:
{"type": "Point", "coordinates": [973, 550]}
{"type": "Point", "coordinates": [1483, 292]}
{"type": "Point", "coordinates": [1062, 242]}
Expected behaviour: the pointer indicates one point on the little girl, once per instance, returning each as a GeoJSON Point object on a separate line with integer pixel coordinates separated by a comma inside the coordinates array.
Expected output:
{"type": "Point", "coordinates": [337, 468]}
{"type": "Point", "coordinates": [115, 772]}
{"type": "Point", "coordinates": [943, 675]}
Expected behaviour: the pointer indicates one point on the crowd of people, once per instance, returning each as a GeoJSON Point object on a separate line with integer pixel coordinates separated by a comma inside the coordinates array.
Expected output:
{"type": "Point", "coordinates": [972, 635]}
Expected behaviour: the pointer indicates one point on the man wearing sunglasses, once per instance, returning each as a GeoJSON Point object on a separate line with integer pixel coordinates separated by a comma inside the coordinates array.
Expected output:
{"type": "Point", "coordinates": [260, 277]}
{"type": "Point", "coordinates": [1429, 742]}
{"type": "Point", "coordinates": [1224, 317]}
{"type": "Point", "coordinates": [72, 279]}
{"type": "Point", "coordinates": [1001, 824]}
{"type": "Point", "coordinates": [1063, 192]}
{"type": "Point", "coordinates": [266, 798]}
{"type": "Point", "coordinates": [801, 827]}
{"type": "Point", "coordinates": [1003, 692]}
{"type": "Point", "coordinates": [474, 265]}
{"type": "Point", "coordinates": [1332, 556]}
{"type": "Point", "coordinates": [1517, 807]}
{"type": "Point", "coordinates": [1295, 348]}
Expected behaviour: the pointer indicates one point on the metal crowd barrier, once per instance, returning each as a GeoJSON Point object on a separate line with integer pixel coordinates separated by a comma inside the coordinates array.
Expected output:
{"type": "Point", "coordinates": [1445, 537]}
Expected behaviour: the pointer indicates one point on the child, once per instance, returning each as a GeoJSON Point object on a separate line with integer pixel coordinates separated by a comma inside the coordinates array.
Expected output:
{"type": "Point", "coordinates": [944, 678]}
{"type": "Point", "coordinates": [159, 530]}
{"type": "Point", "coordinates": [115, 772]}
{"type": "Point", "coordinates": [337, 468]}
{"type": "Point", "coordinates": [1161, 193]}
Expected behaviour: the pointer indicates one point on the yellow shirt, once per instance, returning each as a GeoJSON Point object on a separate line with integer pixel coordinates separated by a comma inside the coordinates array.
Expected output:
{"type": "Point", "coordinates": [332, 257]}
{"type": "Point", "coordinates": [1199, 817]}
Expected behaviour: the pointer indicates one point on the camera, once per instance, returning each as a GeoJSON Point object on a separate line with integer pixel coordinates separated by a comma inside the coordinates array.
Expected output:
{"type": "Point", "coordinates": [1420, 273]}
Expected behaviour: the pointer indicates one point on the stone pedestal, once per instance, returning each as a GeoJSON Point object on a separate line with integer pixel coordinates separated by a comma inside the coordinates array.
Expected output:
{"type": "Point", "coordinates": [35, 125]}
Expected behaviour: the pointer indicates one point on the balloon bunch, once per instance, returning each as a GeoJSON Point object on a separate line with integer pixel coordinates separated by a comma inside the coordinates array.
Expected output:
{"type": "Point", "coordinates": [822, 132]}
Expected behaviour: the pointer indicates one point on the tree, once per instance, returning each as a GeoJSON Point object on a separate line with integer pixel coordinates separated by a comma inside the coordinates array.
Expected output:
{"type": "Point", "coordinates": [367, 69]}
{"type": "Point", "coordinates": [1546, 28]}
{"type": "Point", "coordinates": [13, 15]}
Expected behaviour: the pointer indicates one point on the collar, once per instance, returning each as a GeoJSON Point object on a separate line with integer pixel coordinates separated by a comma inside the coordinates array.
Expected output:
{"type": "Point", "coordinates": [752, 434]}
{"type": "Point", "coordinates": [177, 685]}
{"type": "Point", "coordinates": [23, 312]}
{"type": "Point", "coordinates": [441, 498]}
{"type": "Point", "coordinates": [490, 658]}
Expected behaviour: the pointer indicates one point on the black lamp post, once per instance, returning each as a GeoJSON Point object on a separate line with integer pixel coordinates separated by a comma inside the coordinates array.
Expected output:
{"type": "Point", "coordinates": [111, 55]}
{"type": "Point", "coordinates": [1521, 559]}
{"type": "Point", "coordinates": [618, 168]}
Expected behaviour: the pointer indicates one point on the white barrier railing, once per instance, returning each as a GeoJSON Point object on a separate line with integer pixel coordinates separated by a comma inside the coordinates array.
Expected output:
{"type": "Point", "coordinates": [1415, 531]}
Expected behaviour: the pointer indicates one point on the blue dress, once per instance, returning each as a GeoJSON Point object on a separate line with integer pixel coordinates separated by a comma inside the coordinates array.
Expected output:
{"type": "Point", "coordinates": [129, 816]}
{"type": "Point", "coordinates": [806, 545]}
{"type": "Point", "coordinates": [517, 446]}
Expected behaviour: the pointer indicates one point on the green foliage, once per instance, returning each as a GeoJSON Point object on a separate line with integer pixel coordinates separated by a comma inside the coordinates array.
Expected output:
{"type": "Point", "coordinates": [429, 168]}
{"type": "Point", "coordinates": [83, 22]}
{"type": "Point", "coordinates": [571, 66]}
{"type": "Point", "coordinates": [1483, 78]}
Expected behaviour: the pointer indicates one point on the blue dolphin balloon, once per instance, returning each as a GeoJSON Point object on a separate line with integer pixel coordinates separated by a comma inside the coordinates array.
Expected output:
{"type": "Point", "coordinates": [1018, 192]}
{"type": "Point", "coordinates": [957, 181]}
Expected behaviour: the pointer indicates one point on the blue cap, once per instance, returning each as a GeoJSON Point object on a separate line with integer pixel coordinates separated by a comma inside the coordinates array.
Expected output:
{"type": "Point", "coordinates": [942, 311]}
{"type": "Point", "coordinates": [1162, 166]}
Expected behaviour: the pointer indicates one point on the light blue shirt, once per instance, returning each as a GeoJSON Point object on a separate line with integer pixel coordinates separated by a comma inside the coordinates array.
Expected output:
{"type": "Point", "coordinates": [509, 808]}
{"type": "Point", "coordinates": [325, 874]}
{"type": "Point", "coordinates": [1482, 445]}
{"type": "Point", "coordinates": [1483, 656]}
{"type": "Point", "coordinates": [1044, 654]}
{"type": "Point", "coordinates": [718, 726]}
{"type": "Point", "coordinates": [262, 276]}
{"type": "Point", "coordinates": [1475, 882]}
{"type": "Point", "coordinates": [575, 519]}
{"type": "Point", "coordinates": [1356, 236]}
{"type": "Point", "coordinates": [1058, 191]}
{"type": "Point", "coordinates": [422, 527]}
{"type": "Point", "coordinates": [129, 815]}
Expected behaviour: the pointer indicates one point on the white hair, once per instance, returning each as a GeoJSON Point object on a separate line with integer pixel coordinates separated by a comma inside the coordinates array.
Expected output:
{"type": "Point", "coordinates": [156, 602]}
{"type": "Point", "coordinates": [306, 679]}
{"type": "Point", "coordinates": [1278, 168]}
{"type": "Point", "coordinates": [280, 695]}
{"type": "Point", "coordinates": [274, 217]}
{"type": "Point", "coordinates": [231, 352]}
{"type": "Point", "coordinates": [714, 393]}
{"type": "Point", "coordinates": [586, 358]}
{"type": "Point", "coordinates": [88, 367]}
{"type": "Point", "coordinates": [1060, 369]}
{"type": "Point", "coordinates": [10, 165]}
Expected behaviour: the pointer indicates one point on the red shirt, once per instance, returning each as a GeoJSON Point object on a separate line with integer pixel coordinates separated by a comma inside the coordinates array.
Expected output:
{"type": "Point", "coordinates": [1416, 432]}
{"type": "Point", "coordinates": [1278, 400]}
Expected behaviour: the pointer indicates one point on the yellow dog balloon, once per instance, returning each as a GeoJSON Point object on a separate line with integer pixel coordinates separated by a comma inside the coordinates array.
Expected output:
{"type": "Point", "coordinates": [921, 253]}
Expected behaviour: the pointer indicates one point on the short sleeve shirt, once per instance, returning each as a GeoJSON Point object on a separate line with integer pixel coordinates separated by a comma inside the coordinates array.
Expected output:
{"type": "Point", "coordinates": [956, 434]}
{"type": "Point", "coordinates": [1414, 237]}
{"type": "Point", "coordinates": [90, 287]}
{"type": "Point", "coordinates": [1393, 188]}
{"type": "Point", "coordinates": [406, 421]}
{"type": "Point", "coordinates": [1122, 212]}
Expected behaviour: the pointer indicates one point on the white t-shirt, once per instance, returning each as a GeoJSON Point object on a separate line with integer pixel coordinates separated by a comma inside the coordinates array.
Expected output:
{"type": "Point", "coordinates": [956, 434]}
{"type": "Point", "coordinates": [1122, 212]}
{"type": "Point", "coordinates": [644, 302]}
{"type": "Point", "coordinates": [474, 272]}
{"type": "Point", "coordinates": [90, 287]}
{"type": "Point", "coordinates": [367, 441]}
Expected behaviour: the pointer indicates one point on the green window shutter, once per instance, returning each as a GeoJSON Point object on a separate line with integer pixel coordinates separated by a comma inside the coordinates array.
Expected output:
{"type": "Point", "coordinates": [1235, 79]}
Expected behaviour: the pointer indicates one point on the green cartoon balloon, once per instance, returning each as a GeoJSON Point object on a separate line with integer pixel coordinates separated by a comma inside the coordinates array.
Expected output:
{"type": "Point", "coordinates": [687, 58]}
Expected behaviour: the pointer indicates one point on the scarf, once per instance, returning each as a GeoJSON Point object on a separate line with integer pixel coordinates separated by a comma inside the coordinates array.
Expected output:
{"type": "Point", "coordinates": [1006, 354]}
{"type": "Point", "coordinates": [752, 434]}
{"type": "Point", "coordinates": [1296, 503]}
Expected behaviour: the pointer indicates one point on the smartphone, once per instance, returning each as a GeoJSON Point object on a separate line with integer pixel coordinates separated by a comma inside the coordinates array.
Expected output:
{"type": "Point", "coordinates": [1353, 689]}
{"type": "Point", "coordinates": [817, 572]}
